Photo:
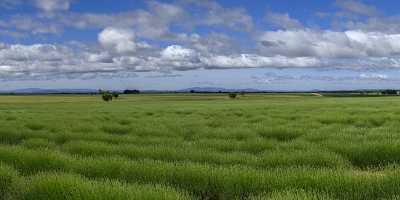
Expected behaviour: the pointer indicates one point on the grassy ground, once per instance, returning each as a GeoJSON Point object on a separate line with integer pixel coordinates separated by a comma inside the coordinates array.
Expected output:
{"type": "Point", "coordinates": [186, 147]}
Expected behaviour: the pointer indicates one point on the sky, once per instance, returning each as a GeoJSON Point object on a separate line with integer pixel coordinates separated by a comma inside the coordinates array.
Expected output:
{"type": "Point", "coordinates": [176, 44]}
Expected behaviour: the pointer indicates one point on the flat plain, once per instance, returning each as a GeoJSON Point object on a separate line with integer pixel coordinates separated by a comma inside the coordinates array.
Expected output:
{"type": "Point", "coordinates": [199, 147]}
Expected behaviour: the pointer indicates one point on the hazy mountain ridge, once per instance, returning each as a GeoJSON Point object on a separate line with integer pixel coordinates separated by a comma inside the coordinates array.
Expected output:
{"type": "Point", "coordinates": [48, 91]}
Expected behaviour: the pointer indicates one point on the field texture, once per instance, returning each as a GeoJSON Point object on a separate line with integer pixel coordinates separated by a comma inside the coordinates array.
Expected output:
{"type": "Point", "coordinates": [182, 147]}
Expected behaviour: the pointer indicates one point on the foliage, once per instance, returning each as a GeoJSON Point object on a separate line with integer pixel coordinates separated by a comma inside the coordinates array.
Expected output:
{"type": "Point", "coordinates": [232, 95]}
{"type": "Point", "coordinates": [106, 96]}
{"type": "Point", "coordinates": [389, 92]}
{"type": "Point", "coordinates": [115, 95]}
{"type": "Point", "coordinates": [131, 92]}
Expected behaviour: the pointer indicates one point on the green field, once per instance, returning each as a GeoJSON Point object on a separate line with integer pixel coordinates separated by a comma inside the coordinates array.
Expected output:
{"type": "Point", "coordinates": [146, 147]}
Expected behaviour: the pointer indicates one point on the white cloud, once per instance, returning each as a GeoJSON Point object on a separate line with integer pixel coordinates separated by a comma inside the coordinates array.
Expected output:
{"type": "Point", "coordinates": [119, 40]}
{"type": "Point", "coordinates": [330, 44]}
{"type": "Point", "coordinates": [46, 61]}
{"type": "Point", "coordinates": [236, 19]}
{"type": "Point", "coordinates": [102, 57]}
{"type": "Point", "coordinates": [166, 11]}
{"type": "Point", "coordinates": [52, 5]}
{"type": "Point", "coordinates": [283, 21]}
{"type": "Point", "coordinates": [37, 52]}
{"type": "Point", "coordinates": [176, 52]}
{"type": "Point", "coordinates": [373, 76]}
{"type": "Point", "coordinates": [277, 78]}
{"type": "Point", "coordinates": [374, 24]}
{"type": "Point", "coordinates": [5, 68]}
{"type": "Point", "coordinates": [357, 7]}
{"type": "Point", "coordinates": [30, 60]}
{"type": "Point", "coordinates": [127, 61]}
{"type": "Point", "coordinates": [153, 23]}
{"type": "Point", "coordinates": [31, 25]}
{"type": "Point", "coordinates": [213, 14]}
{"type": "Point", "coordinates": [251, 60]}
{"type": "Point", "coordinates": [175, 45]}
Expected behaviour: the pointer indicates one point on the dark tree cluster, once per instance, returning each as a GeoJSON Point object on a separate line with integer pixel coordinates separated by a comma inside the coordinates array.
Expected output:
{"type": "Point", "coordinates": [108, 96]}
{"type": "Point", "coordinates": [232, 95]}
{"type": "Point", "coordinates": [389, 92]}
{"type": "Point", "coordinates": [131, 91]}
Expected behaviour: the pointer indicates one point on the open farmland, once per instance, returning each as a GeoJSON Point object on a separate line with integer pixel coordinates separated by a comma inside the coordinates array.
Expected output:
{"type": "Point", "coordinates": [255, 147]}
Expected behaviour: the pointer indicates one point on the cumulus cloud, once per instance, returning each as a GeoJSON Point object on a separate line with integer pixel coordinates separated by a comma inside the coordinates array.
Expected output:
{"type": "Point", "coordinates": [330, 44]}
{"type": "Point", "coordinates": [153, 23]}
{"type": "Point", "coordinates": [162, 37]}
{"type": "Point", "coordinates": [176, 52]}
{"type": "Point", "coordinates": [212, 43]}
{"type": "Point", "coordinates": [252, 60]}
{"type": "Point", "coordinates": [17, 60]}
{"type": "Point", "coordinates": [102, 57]}
{"type": "Point", "coordinates": [37, 52]}
{"type": "Point", "coordinates": [356, 15]}
{"type": "Point", "coordinates": [46, 61]}
{"type": "Point", "coordinates": [119, 40]}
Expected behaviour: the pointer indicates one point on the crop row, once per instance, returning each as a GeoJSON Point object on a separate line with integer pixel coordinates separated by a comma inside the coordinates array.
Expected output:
{"type": "Point", "coordinates": [327, 149]}
{"type": "Point", "coordinates": [50, 185]}
{"type": "Point", "coordinates": [206, 181]}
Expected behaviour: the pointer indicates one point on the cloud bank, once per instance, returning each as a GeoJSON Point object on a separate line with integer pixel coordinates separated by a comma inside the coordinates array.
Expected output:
{"type": "Point", "coordinates": [163, 38]}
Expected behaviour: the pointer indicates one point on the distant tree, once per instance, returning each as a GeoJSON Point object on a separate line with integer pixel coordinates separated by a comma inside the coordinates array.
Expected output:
{"type": "Point", "coordinates": [106, 96]}
{"type": "Point", "coordinates": [232, 95]}
{"type": "Point", "coordinates": [192, 91]}
{"type": "Point", "coordinates": [115, 95]}
{"type": "Point", "coordinates": [389, 92]}
{"type": "Point", "coordinates": [131, 91]}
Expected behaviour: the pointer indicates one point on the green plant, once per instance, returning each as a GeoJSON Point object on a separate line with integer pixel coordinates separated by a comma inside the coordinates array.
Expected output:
{"type": "Point", "coordinates": [115, 95]}
{"type": "Point", "coordinates": [232, 95]}
{"type": "Point", "coordinates": [106, 96]}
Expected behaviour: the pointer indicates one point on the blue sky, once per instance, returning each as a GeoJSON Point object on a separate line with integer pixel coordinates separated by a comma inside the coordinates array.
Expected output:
{"type": "Point", "coordinates": [175, 44]}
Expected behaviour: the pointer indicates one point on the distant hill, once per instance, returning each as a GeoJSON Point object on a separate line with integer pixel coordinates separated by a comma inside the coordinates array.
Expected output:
{"type": "Point", "coordinates": [85, 91]}
{"type": "Point", "coordinates": [49, 91]}
{"type": "Point", "coordinates": [217, 89]}
{"type": "Point", "coordinates": [185, 90]}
